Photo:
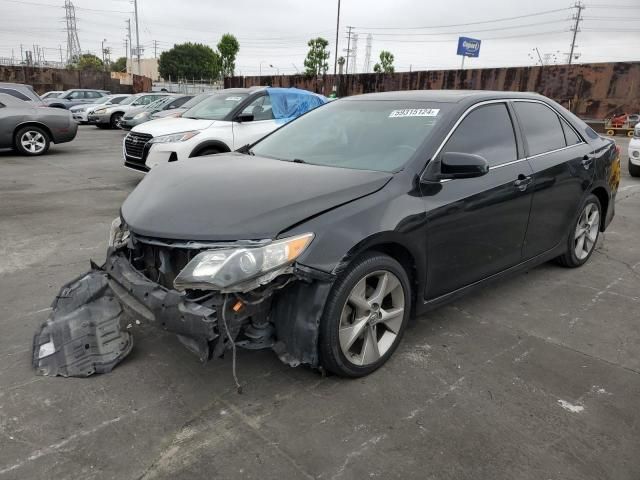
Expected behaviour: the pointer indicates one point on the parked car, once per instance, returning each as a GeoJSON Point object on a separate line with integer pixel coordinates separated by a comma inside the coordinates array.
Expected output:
{"type": "Point", "coordinates": [21, 92]}
{"type": "Point", "coordinates": [30, 129]}
{"type": "Point", "coordinates": [634, 153]}
{"type": "Point", "coordinates": [76, 96]}
{"type": "Point", "coordinates": [110, 116]}
{"type": "Point", "coordinates": [140, 115]}
{"type": "Point", "coordinates": [177, 112]}
{"type": "Point", "coordinates": [81, 112]}
{"type": "Point", "coordinates": [220, 123]}
{"type": "Point", "coordinates": [321, 239]}
{"type": "Point", "coordinates": [52, 94]}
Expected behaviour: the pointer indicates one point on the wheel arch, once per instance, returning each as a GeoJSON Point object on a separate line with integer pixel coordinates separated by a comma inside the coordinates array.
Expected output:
{"type": "Point", "coordinates": [394, 245]}
{"type": "Point", "coordinates": [603, 196]}
{"type": "Point", "coordinates": [219, 144]}
{"type": "Point", "coordinates": [32, 123]}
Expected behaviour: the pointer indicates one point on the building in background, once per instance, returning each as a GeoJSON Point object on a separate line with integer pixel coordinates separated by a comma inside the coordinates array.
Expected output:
{"type": "Point", "coordinates": [148, 67]}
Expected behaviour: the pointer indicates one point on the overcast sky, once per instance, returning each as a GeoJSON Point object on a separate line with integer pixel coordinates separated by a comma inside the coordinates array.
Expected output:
{"type": "Point", "coordinates": [275, 32]}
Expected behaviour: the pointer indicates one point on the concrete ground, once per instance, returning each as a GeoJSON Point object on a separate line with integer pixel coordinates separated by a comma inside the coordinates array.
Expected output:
{"type": "Point", "coordinates": [537, 377]}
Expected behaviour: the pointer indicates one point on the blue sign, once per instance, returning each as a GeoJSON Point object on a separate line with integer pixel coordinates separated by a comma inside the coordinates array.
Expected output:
{"type": "Point", "coordinates": [468, 47]}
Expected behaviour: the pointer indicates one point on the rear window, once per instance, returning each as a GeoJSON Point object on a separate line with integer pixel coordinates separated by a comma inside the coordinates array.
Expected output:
{"type": "Point", "coordinates": [570, 135]}
{"type": "Point", "coordinates": [15, 93]}
{"type": "Point", "coordinates": [541, 127]}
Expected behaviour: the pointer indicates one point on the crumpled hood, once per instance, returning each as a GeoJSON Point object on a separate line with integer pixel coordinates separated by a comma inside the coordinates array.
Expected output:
{"type": "Point", "coordinates": [166, 126]}
{"type": "Point", "coordinates": [239, 197]}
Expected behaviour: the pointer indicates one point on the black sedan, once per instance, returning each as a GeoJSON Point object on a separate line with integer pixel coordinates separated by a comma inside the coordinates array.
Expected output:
{"type": "Point", "coordinates": [322, 239]}
{"type": "Point", "coordinates": [31, 128]}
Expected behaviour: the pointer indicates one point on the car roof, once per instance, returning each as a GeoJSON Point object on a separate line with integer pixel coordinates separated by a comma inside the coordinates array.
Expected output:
{"type": "Point", "coordinates": [445, 96]}
{"type": "Point", "coordinates": [85, 90]}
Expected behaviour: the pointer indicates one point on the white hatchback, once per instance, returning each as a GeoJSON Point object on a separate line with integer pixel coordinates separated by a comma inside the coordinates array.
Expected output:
{"type": "Point", "coordinates": [221, 123]}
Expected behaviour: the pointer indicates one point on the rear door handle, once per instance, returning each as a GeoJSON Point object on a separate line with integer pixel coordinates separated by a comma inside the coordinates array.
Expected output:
{"type": "Point", "coordinates": [586, 162]}
{"type": "Point", "coordinates": [522, 182]}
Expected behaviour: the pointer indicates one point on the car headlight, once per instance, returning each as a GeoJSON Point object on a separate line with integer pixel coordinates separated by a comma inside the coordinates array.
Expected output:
{"type": "Point", "coordinates": [100, 110]}
{"type": "Point", "coordinates": [175, 137]}
{"type": "Point", "coordinates": [243, 268]}
{"type": "Point", "coordinates": [118, 234]}
{"type": "Point", "coordinates": [139, 116]}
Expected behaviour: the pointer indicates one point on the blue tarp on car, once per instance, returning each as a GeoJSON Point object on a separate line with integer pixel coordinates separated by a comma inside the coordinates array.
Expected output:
{"type": "Point", "coordinates": [289, 103]}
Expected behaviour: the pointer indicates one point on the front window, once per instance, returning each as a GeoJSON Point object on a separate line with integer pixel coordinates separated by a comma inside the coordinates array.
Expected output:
{"type": "Point", "coordinates": [362, 134]}
{"type": "Point", "coordinates": [216, 107]}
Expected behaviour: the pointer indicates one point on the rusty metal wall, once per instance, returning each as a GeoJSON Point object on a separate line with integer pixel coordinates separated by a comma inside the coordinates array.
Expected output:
{"type": "Point", "coordinates": [45, 79]}
{"type": "Point", "coordinates": [594, 90]}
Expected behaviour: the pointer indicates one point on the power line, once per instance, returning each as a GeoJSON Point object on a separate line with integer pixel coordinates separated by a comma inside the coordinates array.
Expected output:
{"type": "Point", "coordinates": [504, 19]}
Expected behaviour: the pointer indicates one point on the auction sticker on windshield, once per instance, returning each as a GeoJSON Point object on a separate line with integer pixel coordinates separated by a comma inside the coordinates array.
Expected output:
{"type": "Point", "coordinates": [233, 99]}
{"type": "Point", "coordinates": [415, 112]}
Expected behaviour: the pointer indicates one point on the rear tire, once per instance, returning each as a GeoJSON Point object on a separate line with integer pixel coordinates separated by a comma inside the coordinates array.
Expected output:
{"type": "Point", "coordinates": [634, 170]}
{"type": "Point", "coordinates": [31, 141]}
{"type": "Point", "coordinates": [365, 316]}
{"type": "Point", "coordinates": [583, 237]}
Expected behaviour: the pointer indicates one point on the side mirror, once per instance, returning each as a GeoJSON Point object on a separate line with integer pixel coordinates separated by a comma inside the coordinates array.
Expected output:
{"type": "Point", "coordinates": [244, 117]}
{"type": "Point", "coordinates": [462, 165]}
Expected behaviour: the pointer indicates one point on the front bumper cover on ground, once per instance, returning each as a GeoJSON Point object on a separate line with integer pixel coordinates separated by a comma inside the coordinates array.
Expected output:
{"type": "Point", "coordinates": [86, 332]}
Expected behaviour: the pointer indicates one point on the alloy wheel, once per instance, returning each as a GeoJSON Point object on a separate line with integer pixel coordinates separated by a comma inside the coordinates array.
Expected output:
{"type": "Point", "coordinates": [33, 141]}
{"type": "Point", "coordinates": [371, 318]}
{"type": "Point", "coordinates": [586, 232]}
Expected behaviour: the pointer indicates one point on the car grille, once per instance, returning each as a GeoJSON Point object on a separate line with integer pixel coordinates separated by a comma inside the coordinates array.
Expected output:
{"type": "Point", "coordinates": [134, 144]}
{"type": "Point", "coordinates": [161, 264]}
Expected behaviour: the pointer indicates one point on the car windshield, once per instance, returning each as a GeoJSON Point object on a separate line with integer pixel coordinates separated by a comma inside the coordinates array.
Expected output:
{"type": "Point", "coordinates": [158, 104]}
{"type": "Point", "coordinates": [195, 100]}
{"type": "Point", "coordinates": [52, 95]}
{"type": "Point", "coordinates": [216, 107]}
{"type": "Point", "coordinates": [361, 134]}
{"type": "Point", "coordinates": [128, 100]}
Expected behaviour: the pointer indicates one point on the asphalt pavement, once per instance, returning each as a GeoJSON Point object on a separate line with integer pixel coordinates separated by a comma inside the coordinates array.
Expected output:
{"type": "Point", "coordinates": [536, 377]}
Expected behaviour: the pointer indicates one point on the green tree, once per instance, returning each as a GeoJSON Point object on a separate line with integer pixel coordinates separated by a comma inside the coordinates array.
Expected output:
{"type": "Point", "coordinates": [88, 61]}
{"type": "Point", "coordinates": [228, 48]}
{"type": "Point", "coordinates": [120, 65]}
{"type": "Point", "coordinates": [386, 63]}
{"type": "Point", "coordinates": [189, 60]}
{"type": "Point", "coordinates": [316, 61]}
{"type": "Point", "coordinates": [341, 62]}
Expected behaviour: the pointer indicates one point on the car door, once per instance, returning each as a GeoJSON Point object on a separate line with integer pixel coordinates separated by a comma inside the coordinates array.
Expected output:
{"type": "Point", "coordinates": [263, 122]}
{"type": "Point", "coordinates": [563, 167]}
{"type": "Point", "coordinates": [476, 226]}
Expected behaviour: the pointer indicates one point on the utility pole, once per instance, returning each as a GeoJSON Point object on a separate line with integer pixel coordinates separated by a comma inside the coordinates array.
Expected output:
{"type": "Point", "coordinates": [541, 62]}
{"type": "Point", "coordinates": [348, 50]}
{"type": "Point", "coordinates": [335, 57]}
{"type": "Point", "coordinates": [155, 48]}
{"type": "Point", "coordinates": [21, 55]}
{"type": "Point", "coordinates": [61, 58]}
{"type": "Point", "coordinates": [135, 4]}
{"type": "Point", "coordinates": [575, 28]}
{"type": "Point", "coordinates": [130, 47]}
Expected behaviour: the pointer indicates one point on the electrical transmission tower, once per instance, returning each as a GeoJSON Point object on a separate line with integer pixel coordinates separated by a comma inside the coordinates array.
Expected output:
{"type": "Point", "coordinates": [73, 43]}
{"type": "Point", "coordinates": [354, 54]}
{"type": "Point", "coordinates": [575, 29]}
{"type": "Point", "coordinates": [367, 55]}
{"type": "Point", "coordinates": [348, 49]}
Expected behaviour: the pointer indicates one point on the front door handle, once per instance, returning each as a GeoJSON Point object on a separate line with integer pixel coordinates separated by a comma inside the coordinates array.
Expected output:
{"type": "Point", "coordinates": [586, 162]}
{"type": "Point", "coordinates": [522, 182]}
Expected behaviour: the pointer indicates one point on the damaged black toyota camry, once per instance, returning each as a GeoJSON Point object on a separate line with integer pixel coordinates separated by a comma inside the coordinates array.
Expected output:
{"type": "Point", "coordinates": [321, 240]}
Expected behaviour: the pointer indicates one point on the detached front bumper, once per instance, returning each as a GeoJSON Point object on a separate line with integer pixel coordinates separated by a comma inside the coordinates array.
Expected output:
{"type": "Point", "coordinates": [87, 331]}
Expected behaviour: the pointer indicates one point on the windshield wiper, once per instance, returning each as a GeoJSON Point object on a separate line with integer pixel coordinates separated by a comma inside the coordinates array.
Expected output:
{"type": "Point", "coordinates": [298, 160]}
{"type": "Point", "coordinates": [245, 149]}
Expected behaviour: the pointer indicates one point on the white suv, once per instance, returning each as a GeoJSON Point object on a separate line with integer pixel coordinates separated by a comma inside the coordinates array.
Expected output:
{"type": "Point", "coordinates": [221, 123]}
{"type": "Point", "coordinates": [634, 153]}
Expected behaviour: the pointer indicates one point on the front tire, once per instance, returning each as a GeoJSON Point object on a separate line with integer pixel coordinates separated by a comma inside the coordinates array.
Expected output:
{"type": "Point", "coordinates": [584, 235]}
{"type": "Point", "coordinates": [634, 170]}
{"type": "Point", "coordinates": [31, 141]}
{"type": "Point", "coordinates": [115, 120]}
{"type": "Point", "coordinates": [365, 316]}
